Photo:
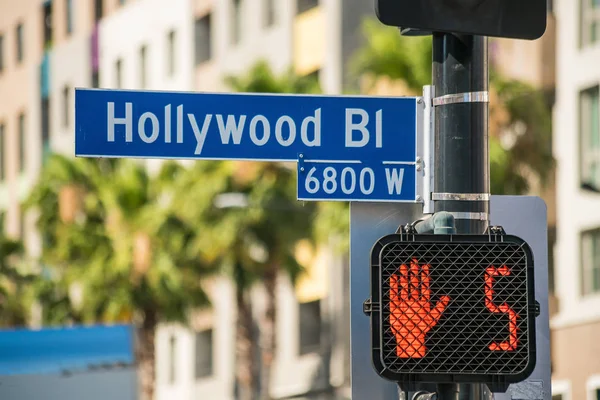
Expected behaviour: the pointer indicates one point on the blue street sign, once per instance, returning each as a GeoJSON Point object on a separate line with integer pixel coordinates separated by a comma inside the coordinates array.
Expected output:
{"type": "Point", "coordinates": [269, 127]}
{"type": "Point", "coordinates": [356, 181]}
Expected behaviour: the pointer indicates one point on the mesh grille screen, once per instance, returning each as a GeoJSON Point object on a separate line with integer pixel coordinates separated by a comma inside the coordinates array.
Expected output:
{"type": "Point", "coordinates": [454, 308]}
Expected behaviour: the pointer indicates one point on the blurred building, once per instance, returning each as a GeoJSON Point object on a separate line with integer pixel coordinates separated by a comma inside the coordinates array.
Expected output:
{"type": "Point", "coordinates": [50, 47]}
{"type": "Point", "coordinates": [534, 62]}
{"type": "Point", "coordinates": [576, 327]}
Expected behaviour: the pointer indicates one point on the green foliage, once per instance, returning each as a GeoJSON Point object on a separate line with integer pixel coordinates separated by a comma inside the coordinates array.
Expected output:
{"type": "Point", "coordinates": [121, 208]}
{"type": "Point", "coordinates": [527, 136]}
{"type": "Point", "coordinates": [261, 79]}
{"type": "Point", "coordinates": [388, 54]}
{"type": "Point", "coordinates": [14, 297]}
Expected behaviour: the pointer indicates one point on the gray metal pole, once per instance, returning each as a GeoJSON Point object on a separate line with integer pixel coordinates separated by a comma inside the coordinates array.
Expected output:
{"type": "Point", "coordinates": [460, 73]}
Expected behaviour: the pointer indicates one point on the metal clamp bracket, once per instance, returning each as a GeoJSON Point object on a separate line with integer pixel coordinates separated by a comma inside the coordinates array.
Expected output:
{"type": "Point", "coordinates": [479, 216]}
{"type": "Point", "coordinates": [470, 97]}
{"type": "Point", "coordinates": [460, 196]}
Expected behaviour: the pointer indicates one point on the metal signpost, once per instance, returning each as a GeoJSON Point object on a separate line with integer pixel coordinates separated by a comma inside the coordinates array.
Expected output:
{"type": "Point", "coordinates": [455, 306]}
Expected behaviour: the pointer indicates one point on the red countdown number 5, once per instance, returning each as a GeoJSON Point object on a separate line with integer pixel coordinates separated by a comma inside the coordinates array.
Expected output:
{"type": "Point", "coordinates": [511, 344]}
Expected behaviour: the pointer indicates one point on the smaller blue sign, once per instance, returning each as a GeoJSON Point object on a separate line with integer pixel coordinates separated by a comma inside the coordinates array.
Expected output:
{"type": "Point", "coordinates": [330, 180]}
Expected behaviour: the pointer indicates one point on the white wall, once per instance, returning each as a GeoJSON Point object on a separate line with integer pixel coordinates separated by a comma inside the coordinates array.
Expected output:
{"type": "Point", "coordinates": [70, 65]}
{"type": "Point", "coordinates": [147, 22]}
{"type": "Point", "coordinates": [257, 42]}
{"type": "Point", "coordinates": [186, 386]}
{"type": "Point", "coordinates": [577, 69]}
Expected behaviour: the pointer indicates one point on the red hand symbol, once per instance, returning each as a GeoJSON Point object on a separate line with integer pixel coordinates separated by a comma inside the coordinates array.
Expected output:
{"type": "Point", "coordinates": [412, 315]}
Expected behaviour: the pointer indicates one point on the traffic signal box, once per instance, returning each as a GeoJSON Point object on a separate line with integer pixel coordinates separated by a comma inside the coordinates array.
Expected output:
{"type": "Point", "coordinates": [518, 19]}
{"type": "Point", "coordinates": [452, 308]}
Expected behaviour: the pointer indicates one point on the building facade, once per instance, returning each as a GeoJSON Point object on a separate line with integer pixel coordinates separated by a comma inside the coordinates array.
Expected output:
{"type": "Point", "coordinates": [21, 51]}
{"type": "Point", "coordinates": [50, 47]}
{"type": "Point", "coordinates": [577, 258]}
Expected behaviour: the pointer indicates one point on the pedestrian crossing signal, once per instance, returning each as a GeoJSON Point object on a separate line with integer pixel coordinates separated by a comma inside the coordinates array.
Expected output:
{"type": "Point", "coordinates": [452, 308]}
{"type": "Point", "coordinates": [517, 19]}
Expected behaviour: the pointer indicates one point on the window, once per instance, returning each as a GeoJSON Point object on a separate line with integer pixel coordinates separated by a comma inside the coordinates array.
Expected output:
{"type": "Point", "coordinates": [45, 107]}
{"type": "Point", "coordinates": [310, 327]}
{"type": "Point", "coordinates": [95, 79]}
{"type": "Point", "coordinates": [590, 22]}
{"type": "Point", "coordinates": [98, 10]}
{"type": "Point", "coordinates": [269, 12]}
{"type": "Point", "coordinates": [47, 25]}
{"type": "Point", "coordinates": [171, 53]}
{"type": "Point", "coordinates": [19, 44]}
{"type": "Point", "coordinates": [69, 12]}
{"type": "Point", "coordinates": [172, 359]}
{"type": "Point", "coordinates": [21, 142]}
{"type": "Point", "coordinates": [1, 53]}
{"type": "Point", "coordinates": [236, 33]}
{"type": "Point", "coordinates": [202, 32]}
{"type": "Point", "coordinates": [593, 388]}
{"type": "Point", "coordinates": [561, 390]}
{"type": "Point", "coordinates": [204, 354]}
{"type": "Point", "coordinates": [66, 106]}
{"type": "Point", "coordinates": [2, 158]}
{"type": "Point", "coordinates": [590, 262]}
{"type": "Point", "coordinates": [143, 67]}
{"type": "Point", "coordinates": [118, 73]}
{"type": "Point", "coordinates": [305, 5]}
{"type": "Point", "coordinates": [22, 224]}
{"type": "Point", "coordinates": [590, 137]}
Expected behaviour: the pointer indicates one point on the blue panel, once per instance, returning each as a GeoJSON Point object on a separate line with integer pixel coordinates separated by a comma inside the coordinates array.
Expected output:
{"type": "Point", "coordinates": [116, 123]}
{"type": "Point", "coordinates": [24, 351]}
{"type": "Point", "coordinates": [356, 181]}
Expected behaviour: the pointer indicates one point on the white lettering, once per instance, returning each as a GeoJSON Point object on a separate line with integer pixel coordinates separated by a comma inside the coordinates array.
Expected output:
{"type": "Point", "coordinates": [394, 180]}
{"type": "Point", "coordinates": [112, 121]}
{"type": "Point", "coordinates": [168, 124]}
{"type": "Point", "coordinates": [367, 171]}
{"type": "Point", "coordinates": [266, 130]}
{"type": "Point", "coordinates": [279, 133]}
{"type": "Point", "coordinates": [361, 127]}
{"type": "Point", "coordinates": [180, 124]}
{"type": "Point", "coordinates": [142, 127]}
{"type": "Point", "coordinates": [233, 129]}
{"type": "Point", "coordinates": [200, 135]}
{"type": "Point", "coordinates": [316, 121]}
{"type": "Point", "coordinates": [345, 188]}
{"type": "Point", "coordinates": [379, 129]}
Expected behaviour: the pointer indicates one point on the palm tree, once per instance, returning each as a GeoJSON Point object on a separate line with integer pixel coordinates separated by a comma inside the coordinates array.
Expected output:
{"type": "Point", "coordinates": [520, 116]}
{"type": "Point", "coordinates": [268, 231]}
{"type": "Point", "coordinates": [14, 301]}
{"type": "Point", "coordinates": [109, 228]}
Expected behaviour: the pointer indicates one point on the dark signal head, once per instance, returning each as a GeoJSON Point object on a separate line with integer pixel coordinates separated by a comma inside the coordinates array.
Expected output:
{"type": "Point", "coordinates": [517, 19]}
